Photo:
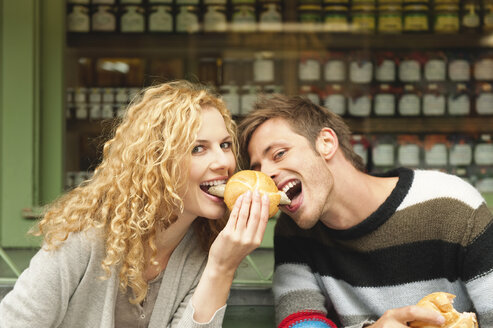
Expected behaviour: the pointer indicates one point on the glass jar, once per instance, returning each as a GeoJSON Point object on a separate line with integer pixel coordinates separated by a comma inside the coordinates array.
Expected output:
{"type": "Point", "coordinates": [132, 19]}
{"type": "Point", "coordinates": [435, 67]}
{"type": "Point", "coordinates": [363, 18]}
{"type": "Point", "coordinates": [408, 150]}
{"type": "Point", "coordinates": [416, 18]}
{"type": "Point", "coordinates": [161, 18]}
{"type": "Point", "coordinates": [470, 19]}
{"type": "Point", "coordinates": [436, 151]}
{"type": "Point", "coordinates": [484, 99]}
{"type": "Point", "coordinates": [390, 18]}
{"type": "Point", "coordinates": [459, 69]}
{"type": "Point", "coordinates": [459, 101]}
{"type": "Point", "coordinates": [385, 66]}
{"type": "Point", "coordinates": [409, 103]}
{"type": "Point", "coordinates": [187, 19]}
{"type": "Point", "coordinates": [336, 18]}
{"type": "Point", "coordinates": [309, 68]}
{"type": "Point", "coordinates": [446, 18]}
{"type": "Point", "coordinates": [384, 103]}
{"type": "Point", "coordinates": [78, 19]}
{"type": "Point", "coordinates": [335, 68]}
{"type": "Point", "coordinates": [104, 19]}
{"type": "Point", "coordinates": [434, 101]}
{"type": "Point", "coordinates": [215, 19]}
{"type": "Point", "coordinates": [243, 18]}
{"type": "Point", "coordinates": [334, 99]}
{"type": "Point", "coordinates": [310, 17]}
{"type": "Point", "coordinates": [270, 18]}
{"type": "Point", "coordinates": [488, 16]}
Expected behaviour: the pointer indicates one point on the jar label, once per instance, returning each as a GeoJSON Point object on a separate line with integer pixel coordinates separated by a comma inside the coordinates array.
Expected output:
{"type": "Point", "coordinates": [435, 70]}
{"type": "Point", "coordinates": [459, 70]}
{"type": "Point", "coordinates": [460, 105]}
{"type": "Point", "coordinates": [408, 155]}
{"type": "Point", "coordinates": [384, 104]}
{"type": "Point", "coordinates": [484, 103]}
{"type": "Point", "coordinates": [409, 105]}
{"type": "Point", "coordinates": [383, 155]}
{"type": "Point", "coordinates": [437, 155]}
{"type": "Point", "coordinates": [461, 154]}
{"type": "Point", "coordinates": [483, 69]}
{"type": "Point", "coordinates": [335, 71]}
{"type": "Point", "coordinates": [433, 105]}
{"type": "Point", "coordinates": [360, 106]}
{"type": "Point", "coordinates": [483, 154]}
{"type": "Point", "coordinates": [361, 72]}
{"type": "Point", "coordinates": [336, 103]}
{"type": "Point", "coordinates": [386, 71]}
{"type": "Point", "coordinates": [162, 20]}
{"type": "Point", "coordinates": [263, 70]}
{"type": "Point", "coordinates": [409, 71]}
{"type": "Point", "coordinates": [309, 70]}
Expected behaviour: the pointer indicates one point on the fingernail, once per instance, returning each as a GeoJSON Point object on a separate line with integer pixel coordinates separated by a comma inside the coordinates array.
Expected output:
{"type": "Point", "coordinates": [256, 193]}
{"type": "Point", "coordinates": [248, 193]}
{"type": "Point", "coordinates": [265, 198]}
{"type": "Point", "coordinates": [440, 320]}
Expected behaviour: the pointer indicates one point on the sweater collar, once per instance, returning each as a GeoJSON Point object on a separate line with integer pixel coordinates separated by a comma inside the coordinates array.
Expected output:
{"type": "Point", "coordinates": [383, 212]}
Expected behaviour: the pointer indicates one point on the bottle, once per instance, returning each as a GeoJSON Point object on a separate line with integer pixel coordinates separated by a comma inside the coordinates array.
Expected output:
{"type": "Point", "coordinates": [132, 19]}
{"type": "Point", "coordinates": [78, 19]}
{"type": "Point", "coordinates": [187, 19]}
{"type": "Point", "coordinates": [161, 18]}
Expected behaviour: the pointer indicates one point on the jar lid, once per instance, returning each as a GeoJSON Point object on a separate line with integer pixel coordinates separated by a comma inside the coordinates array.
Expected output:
{"type": "Point", "coordinates": [336, 8]}
{"type": "Point", "coordinates": [390, 7]}
{"type": "Point", "coordinates": [416, 7]}
{"type": "Point", "coordinates": [363, 7]}
{"type": "Point", "coordinates": [310, 7]}
{"type": "Point", "coordinates": [447, 7]}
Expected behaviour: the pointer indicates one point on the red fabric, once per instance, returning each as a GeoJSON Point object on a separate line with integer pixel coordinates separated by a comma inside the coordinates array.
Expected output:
{"type": "Point", "coordinates": [291, 320]}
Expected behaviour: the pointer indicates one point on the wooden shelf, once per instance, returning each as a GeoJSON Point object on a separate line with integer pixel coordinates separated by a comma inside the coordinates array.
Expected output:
{"type": "Point", "coordinates": [125, 44]}
{"type": "Point", "coordinates": [421, 125]}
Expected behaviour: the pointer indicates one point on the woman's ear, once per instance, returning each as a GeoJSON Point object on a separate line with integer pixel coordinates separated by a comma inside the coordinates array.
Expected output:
{"type": "Point", "coordinates": [327, 143]}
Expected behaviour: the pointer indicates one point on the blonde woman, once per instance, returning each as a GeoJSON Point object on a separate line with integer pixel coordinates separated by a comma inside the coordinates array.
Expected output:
{"type": "Point", "coordinates": [142, 244]}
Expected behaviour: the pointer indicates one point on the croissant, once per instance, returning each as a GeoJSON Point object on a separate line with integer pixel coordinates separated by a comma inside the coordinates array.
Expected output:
{"type": "Point", "coordinates": [442, 303]}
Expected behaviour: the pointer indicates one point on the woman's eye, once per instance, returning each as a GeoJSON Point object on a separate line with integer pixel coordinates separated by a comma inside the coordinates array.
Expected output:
{"type": "Point", "coordinates": [226, 145]}
{"type": "Point", "coordinates": [197, 149]}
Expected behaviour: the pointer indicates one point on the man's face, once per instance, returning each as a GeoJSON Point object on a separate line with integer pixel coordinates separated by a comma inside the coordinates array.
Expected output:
{"type": "Point", "coordinates": [289, 159]}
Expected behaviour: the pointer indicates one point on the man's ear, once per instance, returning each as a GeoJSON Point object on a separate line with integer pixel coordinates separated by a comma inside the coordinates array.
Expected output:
{"type": "Point", "coordinates": [327, 143]}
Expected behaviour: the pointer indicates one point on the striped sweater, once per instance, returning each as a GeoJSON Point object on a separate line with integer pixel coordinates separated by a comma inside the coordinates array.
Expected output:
{"type": "Point", "coordinates": [433, 233]}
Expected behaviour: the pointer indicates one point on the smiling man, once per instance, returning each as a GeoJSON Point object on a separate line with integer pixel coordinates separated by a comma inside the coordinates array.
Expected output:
{"type": "Point", "coordinates": [358, 249]}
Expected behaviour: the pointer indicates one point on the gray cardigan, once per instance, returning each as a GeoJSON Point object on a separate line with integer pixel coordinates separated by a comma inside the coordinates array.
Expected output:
{"type": "Point", "coordinates": [63, 288]}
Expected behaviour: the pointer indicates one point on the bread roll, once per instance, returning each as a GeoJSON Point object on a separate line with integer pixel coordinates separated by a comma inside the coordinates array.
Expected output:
{"type": "Point", "coordinates": [442, 302]}
{"type": "Point", "coordinates": [246, 180]}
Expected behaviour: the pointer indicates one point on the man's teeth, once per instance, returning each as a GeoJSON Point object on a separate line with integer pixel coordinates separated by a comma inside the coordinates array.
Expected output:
{"type": "Point", "coordinates": [213, 183]}
{"type": "Point", "coordinates": [290, 185]}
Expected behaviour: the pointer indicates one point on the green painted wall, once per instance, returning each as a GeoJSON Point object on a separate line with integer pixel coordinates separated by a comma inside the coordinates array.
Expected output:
{"type": "Point", "coordinates": [31, 106]}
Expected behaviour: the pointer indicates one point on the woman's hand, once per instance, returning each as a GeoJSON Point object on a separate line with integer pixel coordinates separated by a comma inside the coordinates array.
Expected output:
{"type": "Point", "coordinates": [243, 233]}
{"type": "Point", "coordinates": [400, 317]}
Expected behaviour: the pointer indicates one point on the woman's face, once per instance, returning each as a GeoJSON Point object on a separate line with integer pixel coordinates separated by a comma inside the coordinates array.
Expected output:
{"type": "Point", "coordinates": [212, 162]}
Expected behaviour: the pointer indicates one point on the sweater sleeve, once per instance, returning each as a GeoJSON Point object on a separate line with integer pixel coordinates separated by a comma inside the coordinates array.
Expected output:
{"type": "Point", "coordinates": [41, 294]}
{"type": "Point", "coordinates": [477, 270]}
{"type": "Point", "coordinates": [183, 317]}
{"type": "Point", "coordinates": [299, 300]}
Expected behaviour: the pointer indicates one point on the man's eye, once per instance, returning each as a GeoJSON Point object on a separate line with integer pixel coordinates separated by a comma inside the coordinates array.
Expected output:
{"type": "Point", "coordinates": [279, 154]}
{"type": "Point", "coordinates": [226, 145]}
{"type": "Point", "coordinates": [197, 149]}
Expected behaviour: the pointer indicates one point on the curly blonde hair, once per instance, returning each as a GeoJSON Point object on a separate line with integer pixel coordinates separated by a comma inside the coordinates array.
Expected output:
{"type": "Point", "coordinates": [133, 192]}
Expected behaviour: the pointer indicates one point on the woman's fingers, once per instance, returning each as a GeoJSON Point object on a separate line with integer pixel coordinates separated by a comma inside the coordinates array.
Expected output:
{"type": "Point", "coordinates": [244, 210]}
{"type": "Point", "coordinates": [233, 216]}
{"type": "Point", "coordinates": [264, 217]}
{"type": "Point", "coordinates": [254, 217]}
{"type": "Point", "coordinates": [412, 313]}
